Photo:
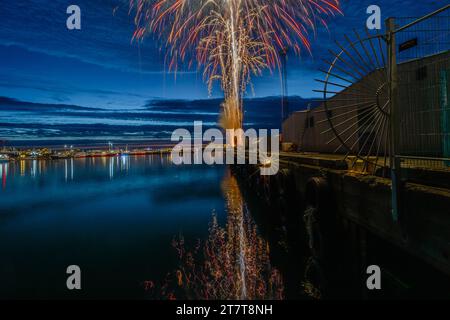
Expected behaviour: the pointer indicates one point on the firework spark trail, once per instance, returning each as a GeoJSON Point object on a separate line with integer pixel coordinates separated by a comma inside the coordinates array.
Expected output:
{"type": "Point", "coordinates": [234, 48]}
{"type": "Point", "coordinates": [231, 39]}
{"type": "Point", "coordinates": [242, 262]}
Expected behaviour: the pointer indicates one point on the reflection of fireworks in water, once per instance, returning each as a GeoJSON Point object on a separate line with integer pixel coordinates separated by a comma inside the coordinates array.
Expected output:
{"type": "Point", "coordinates": [233, 263]}
{"type": "Point", "coordinates": [231, 39]}
{"type": "Point", "coordinates": [236, 230]}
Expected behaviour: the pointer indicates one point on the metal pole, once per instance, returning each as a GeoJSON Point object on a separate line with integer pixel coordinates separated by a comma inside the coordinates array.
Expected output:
{"type": "Point", "coordinates": [445, 116]}
{"type": "Point", "coordinates": [394, 123]}
{"type": "Point", "coordinates": [284, 91]}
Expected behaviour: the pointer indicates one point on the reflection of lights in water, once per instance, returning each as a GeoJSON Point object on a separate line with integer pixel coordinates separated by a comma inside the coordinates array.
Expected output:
{"type": "Point", "coordinates": [255, 278]}
{"type": "Point", "coordinates": [242, 263]}
{"type": "Point", "coordinates": [65, 170]}
{"type": "Point", "coordinates": [4, 173]}
{"type": "Point", "coordinates": [125, 162]}
{"type": "Point", "coordinates": [232, 263]}
{"type": "Point", "coordinates": [22, 168]}
{"type": "Point", "coordinates": [34, 168]}
{"type": "Point", "coordinates": [111, 167]}
{"type": "Point", "coordinates": [71, 168]}
{"type": "Point", "coordinates": [236, 227]}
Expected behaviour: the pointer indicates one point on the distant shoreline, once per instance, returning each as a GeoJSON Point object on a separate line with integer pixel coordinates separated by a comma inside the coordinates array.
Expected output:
{"type": "Point", "coordinates": [81, 144]}
{"type": "Point", "coordinates": [80, 151]}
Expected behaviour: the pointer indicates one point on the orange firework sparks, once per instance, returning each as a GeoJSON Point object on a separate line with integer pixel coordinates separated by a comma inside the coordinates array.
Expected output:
{"type": "Point", "coordinates": [231, 39]}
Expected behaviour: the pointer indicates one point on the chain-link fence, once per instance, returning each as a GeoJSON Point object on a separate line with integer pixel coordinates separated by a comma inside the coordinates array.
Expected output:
{"type": "Point", "coordinates": [423, 81]}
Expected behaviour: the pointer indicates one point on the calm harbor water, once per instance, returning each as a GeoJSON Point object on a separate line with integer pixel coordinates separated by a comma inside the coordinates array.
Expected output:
{"type": "Point", "coordinates": [114, 217]}
{"type": "Point", "coordinates": [124, 221]}
{"type": "Point", "coordinates": [143, 228]}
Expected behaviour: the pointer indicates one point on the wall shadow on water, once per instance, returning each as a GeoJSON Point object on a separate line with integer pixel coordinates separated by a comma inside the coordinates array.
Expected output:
{"type": "Point", "coordinates": [328, 258]}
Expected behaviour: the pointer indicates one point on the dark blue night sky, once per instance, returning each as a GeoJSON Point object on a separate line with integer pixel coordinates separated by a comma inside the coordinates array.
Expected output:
{"type": "Point", "coordinates": [98, 67]}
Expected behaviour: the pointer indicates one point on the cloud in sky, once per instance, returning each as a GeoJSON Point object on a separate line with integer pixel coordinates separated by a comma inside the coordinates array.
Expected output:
{"type": "Point", "coordinates": [98, 66]}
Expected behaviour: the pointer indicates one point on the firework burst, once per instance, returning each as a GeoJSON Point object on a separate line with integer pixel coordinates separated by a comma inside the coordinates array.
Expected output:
{"type": "Point", "coordinates": [232, 40]}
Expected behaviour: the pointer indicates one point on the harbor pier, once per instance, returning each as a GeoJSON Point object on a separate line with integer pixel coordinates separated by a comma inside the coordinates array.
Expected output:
{"type": "Point", "coordinates": [347, 215]}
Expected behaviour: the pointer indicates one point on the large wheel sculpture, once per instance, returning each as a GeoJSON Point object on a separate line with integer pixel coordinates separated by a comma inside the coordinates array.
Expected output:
{"type": "Point", "coordinates": [356, 101]}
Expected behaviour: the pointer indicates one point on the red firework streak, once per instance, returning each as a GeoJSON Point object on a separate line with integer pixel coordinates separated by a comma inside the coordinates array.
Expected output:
{"type": "Point", "coordinates": [231, 37]}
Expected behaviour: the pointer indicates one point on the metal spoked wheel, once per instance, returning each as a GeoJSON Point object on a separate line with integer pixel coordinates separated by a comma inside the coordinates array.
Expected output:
{"type": "Point", "coordinates": [356, 101]}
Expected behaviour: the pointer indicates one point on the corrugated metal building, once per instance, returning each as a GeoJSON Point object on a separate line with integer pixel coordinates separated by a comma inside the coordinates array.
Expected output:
{"type": "Point", "coordinates": [424, 114]}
